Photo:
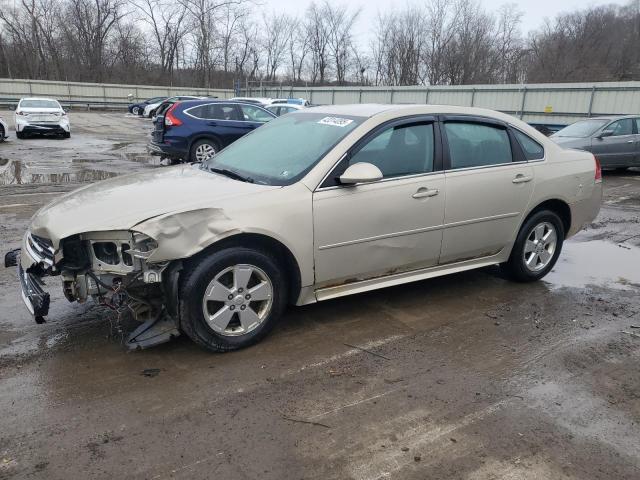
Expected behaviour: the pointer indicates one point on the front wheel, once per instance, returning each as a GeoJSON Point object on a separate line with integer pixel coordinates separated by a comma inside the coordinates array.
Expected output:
{"type": "Point", "coordinates": [232, 298]}
{"type": "Point", "coordinates": [135, 110]}
{"type": "Point", "coordinates": [20, 135]}
{"type": "Point", "coordinates": [537, 247]}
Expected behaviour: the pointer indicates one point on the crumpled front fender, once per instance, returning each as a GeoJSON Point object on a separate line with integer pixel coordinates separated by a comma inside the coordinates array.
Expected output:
{"type": "Point", "coordinates": [183, 234]}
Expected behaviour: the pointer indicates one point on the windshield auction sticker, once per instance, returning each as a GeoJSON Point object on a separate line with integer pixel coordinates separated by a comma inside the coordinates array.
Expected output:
{"type": "Point", "coordinates": [335, 121]}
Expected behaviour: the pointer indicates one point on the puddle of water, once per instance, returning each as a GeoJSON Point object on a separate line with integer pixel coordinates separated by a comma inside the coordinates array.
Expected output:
{"type": "Point", "coordinates": [596, 262]}
{"type": "Point", "coordinates": [14, 172]}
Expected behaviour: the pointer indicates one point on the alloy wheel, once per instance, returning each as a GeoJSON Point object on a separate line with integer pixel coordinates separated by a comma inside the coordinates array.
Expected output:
{"type": "Point", "coordinates": [540, 246]}
{"type": "Point", "coordinates": [237, 300]}
{"type": "Point", "coordinates": [204, 152]}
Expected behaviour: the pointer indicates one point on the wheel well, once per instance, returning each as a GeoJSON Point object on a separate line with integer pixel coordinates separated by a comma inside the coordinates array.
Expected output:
{"type": "Point", "coordinates": [205, 137]}
{"type": "Point", "coordinates": [268, 245]}
{"type": "Point", "coordinates": [558, 207]}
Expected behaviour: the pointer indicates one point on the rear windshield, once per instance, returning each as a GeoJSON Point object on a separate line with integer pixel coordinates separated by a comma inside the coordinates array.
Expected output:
{"type": "Point", "coordinates": [283, 150]}
{"type": "Point", "coordinates": [582, 129]}
{"type": "Point", "coordinates": [38, 103]}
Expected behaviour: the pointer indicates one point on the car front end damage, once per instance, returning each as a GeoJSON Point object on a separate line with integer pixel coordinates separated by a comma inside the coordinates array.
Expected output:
{"type": "Point", "coordinates": [109, 267]}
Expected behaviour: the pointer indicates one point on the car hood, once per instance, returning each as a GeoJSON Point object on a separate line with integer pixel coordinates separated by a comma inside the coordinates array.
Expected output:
{"type": "Point", "coordinates": [122, 202]}
{"type": "Point", "coordinates": [40, 110]}
{"type": "Point", "coordinates": [572, 142]}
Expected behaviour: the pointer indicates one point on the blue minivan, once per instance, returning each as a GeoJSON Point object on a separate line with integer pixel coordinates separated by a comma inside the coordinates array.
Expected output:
{"type": "Point", "coordinates": [195, 130]}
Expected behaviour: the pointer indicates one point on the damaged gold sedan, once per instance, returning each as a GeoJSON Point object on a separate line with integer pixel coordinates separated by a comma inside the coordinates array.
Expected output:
{"type": "Point", "coordinates": [318, 204]}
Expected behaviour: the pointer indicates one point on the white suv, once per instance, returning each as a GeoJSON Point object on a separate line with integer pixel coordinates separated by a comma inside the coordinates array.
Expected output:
{"type": "Point", "coordinates": [41, 116]}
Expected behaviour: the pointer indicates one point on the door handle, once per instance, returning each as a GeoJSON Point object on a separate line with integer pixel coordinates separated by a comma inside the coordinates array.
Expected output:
{"type": "Point", "coordinates": [520, 178]}
{"type": "Point", "coordinates": [426, 192]}
{"type": "Point", "coordinates": [212, 124]}
{"type": "Point", "coordinates": [631, 141]}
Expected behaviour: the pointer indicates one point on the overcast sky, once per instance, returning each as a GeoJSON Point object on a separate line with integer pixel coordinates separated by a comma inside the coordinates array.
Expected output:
{"type": "Point", "coordinates": [535, 11]}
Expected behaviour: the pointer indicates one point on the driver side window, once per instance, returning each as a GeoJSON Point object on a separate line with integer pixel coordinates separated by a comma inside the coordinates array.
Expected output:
{"type": "Point", "coordinates": [254, 114]}
{"type": "Point", "coordinates": [401, 150]}
{"type": "Point", "coordinates": [621, 127]}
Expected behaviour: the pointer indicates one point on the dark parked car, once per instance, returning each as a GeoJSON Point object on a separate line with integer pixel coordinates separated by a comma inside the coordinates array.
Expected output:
{"type": "Point", "coordinates": [615, 141]}
{"type": "Point", "coordinates": [196, 130]}
{"type": "Point", "coordinates": [138, 108]}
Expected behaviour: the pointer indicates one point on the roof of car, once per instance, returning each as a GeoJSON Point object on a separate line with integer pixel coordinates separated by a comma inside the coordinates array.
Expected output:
{"type": "Point", "coordinates": [38, 98]}
{"type": "Point", "coordinates": [217, 100]}
{"type": "Point", "coordinates": [610, 117]}
{"type": "Point", "coordinates": [372, 109]}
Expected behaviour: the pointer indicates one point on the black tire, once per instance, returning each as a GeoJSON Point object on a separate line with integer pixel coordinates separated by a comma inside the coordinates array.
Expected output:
{"type": "Point", "coordinates": [152, 113]}
{"type": "Point", "coordinates": [20, 135]}
{"type": "Point", "coordinates": [516, 268]}
{"type": "Point", "coordinates": [199, 143]}
{"type": "Point", "coordinates": [66, 135]}
{"type": "Point", "coordinates": [135, 111]}
{"type": "Point", "coordinates": [194, 282]}
{"type": "Point", "coordinates": [2, 134]}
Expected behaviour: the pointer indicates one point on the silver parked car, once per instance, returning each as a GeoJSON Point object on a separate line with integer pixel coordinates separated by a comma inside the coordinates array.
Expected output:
{"type": "Point", "coordinates": [316, 204]}
{"type": "Point", "coordinates": [615, 141]}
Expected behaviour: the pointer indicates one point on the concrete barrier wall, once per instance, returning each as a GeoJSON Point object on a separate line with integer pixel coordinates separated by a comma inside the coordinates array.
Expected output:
{"type": "Point", "coordinates": [94, 94]}
{"type": "Point", "coordinates": [545, 103]}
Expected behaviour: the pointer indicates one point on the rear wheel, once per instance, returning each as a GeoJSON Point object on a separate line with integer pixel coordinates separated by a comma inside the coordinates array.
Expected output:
{"type": "Point", "coordinates": [203, 150]}
{"type": "Point", "coordinates": [20, 135]}
{"type": "Point", "coordinates": [66, 135]}
{"type": "Point", "coordinates": [232, 298]}
{"type": "Point", "coordinates": [2, 133]}
{"type": "Point", "coordinates": [135, 110]}
{"type": "Point", "coordinates": [537, 247]}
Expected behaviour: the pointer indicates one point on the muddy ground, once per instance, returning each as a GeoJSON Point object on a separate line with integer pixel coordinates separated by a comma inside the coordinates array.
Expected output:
{"type": "Point", "coordinates": [464, 377]}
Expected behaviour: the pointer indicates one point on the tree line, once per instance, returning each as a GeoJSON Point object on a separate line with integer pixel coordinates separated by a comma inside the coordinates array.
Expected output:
{"type": "Point", "coordinates": [212, 43]}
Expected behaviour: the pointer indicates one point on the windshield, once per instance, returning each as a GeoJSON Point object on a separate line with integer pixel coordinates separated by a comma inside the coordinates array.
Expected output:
{"type": "Point", "coordinates": [285, 149]}
{"type": "Point", "coordinates": [39, 104]}
{"type": "Point", "coordinates": [583, 128]}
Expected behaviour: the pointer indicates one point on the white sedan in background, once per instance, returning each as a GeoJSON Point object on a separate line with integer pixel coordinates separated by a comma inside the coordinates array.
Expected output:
{"type": "Point", "coordinates": [41, 116]}
{"type": "Point", "coordinates": [150, 109]}
{"type": "Point", "coordinates": [279, 109]}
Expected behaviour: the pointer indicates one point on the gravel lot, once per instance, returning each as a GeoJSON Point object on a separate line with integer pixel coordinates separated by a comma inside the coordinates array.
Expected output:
{"type": "Point", "coordinates": [462, 377]}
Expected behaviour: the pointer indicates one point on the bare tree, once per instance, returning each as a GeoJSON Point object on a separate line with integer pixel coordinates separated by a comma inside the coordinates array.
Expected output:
{"type": "Point", "coordinates": [87, 25]}
{"type": "Point", "coordinates": [340, 23]}
{"type": "Point", "coordinates": [318, 33]}
{"type": "Point", "coordinates": [278, 29]}
{"type": "Point", "coordinates": [166, 20]}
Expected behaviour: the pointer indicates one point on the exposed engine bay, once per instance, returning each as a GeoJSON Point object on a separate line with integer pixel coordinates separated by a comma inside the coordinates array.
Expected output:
{"type": "Point", "coordinates": [109, 267]}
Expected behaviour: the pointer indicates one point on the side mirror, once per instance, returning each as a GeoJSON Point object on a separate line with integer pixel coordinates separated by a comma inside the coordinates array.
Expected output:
{"type": "Point", "coordinates": [605, 133]}
{"type": "Point", "coordinates": [360, 172]}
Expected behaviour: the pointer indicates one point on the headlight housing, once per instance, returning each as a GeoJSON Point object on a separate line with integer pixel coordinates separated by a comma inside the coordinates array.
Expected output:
{"type": "Point", "coordinates": [143, 246]}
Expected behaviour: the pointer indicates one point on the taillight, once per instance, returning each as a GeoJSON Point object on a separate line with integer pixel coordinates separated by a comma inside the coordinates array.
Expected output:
{"type": "Point", "coordinates": [598, 175]}
{"type": "Point", "coordinates": [170, 119]}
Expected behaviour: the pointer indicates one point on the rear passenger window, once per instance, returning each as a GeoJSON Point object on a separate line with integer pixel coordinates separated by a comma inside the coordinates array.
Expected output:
{"type": "Point", "coordinates": [198, 112]}
{"type": "Point", "coordinates": [477, 145]}
{"type": "Point", "coordinates": [532, 149]}
{"type": "Point", "coordinates": [400, 150]}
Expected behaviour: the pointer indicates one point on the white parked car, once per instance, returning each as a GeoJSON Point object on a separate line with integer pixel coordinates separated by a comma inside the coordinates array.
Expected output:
{"type": "Point", "coordinates": [4, 130]}
{"type": "Point", "coordinates": [317, 204]}
{"type": "Point", "coordinates": [150, 109]}
{"type": "Point", "coordinates": [41, 116]}
{"type": "Point", "coordinates": [261, 101]}
{"type": "Point", "coordinates": [283, 108]}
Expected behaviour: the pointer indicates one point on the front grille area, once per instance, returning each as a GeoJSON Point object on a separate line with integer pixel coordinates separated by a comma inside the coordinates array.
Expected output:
{"type": "Point", "coordinates": [41, 249]}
